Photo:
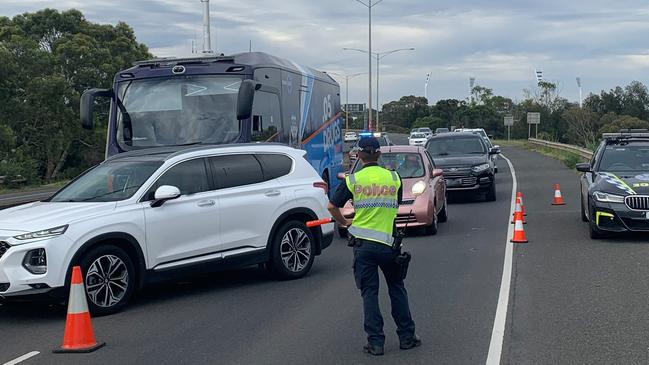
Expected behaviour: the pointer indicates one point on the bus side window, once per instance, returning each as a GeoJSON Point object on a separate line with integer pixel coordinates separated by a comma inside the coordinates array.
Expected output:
{"type": "Point", "coordinates": [266, 117]}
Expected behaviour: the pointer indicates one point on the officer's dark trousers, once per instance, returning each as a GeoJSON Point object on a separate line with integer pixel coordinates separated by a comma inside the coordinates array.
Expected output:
{"type": "Point", "coordinates": [368, 258]}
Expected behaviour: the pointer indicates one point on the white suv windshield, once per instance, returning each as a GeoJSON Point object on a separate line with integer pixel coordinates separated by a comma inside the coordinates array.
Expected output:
{"type": "Point", "coordinates": [178, 111]}
{"type": "Point", "coordinates": [111, 181]}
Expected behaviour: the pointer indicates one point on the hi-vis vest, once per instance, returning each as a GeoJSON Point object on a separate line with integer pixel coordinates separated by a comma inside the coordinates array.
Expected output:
{"type": "Point", "coordinates": [375, 203]}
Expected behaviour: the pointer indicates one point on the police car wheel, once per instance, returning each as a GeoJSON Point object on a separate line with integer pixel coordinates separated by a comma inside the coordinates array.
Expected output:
{"type": "Point", "coordinates": [584, 218]}
{"type": "Point", "coordinates": [292, 251]}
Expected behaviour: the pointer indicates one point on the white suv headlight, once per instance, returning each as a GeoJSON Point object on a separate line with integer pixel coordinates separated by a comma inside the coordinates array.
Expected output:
{"type": "Point", "coordinates": [480, 168]}
{"type": "Point", "coordinates": [50, 232]}
{"type": "Point", "coordinates": [608, 198]}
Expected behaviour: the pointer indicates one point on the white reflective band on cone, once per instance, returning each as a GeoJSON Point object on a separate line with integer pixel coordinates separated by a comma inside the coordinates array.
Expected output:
{"type": "Point", "coordinates": [519, 225]}
{"type": "Point", "coordinates": [78, 303]}
{"type": "Point", "coordinates": [557, 193]}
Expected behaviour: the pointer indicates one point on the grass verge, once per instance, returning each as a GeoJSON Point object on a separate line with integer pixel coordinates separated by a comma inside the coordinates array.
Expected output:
{"type": "Point", "coordinates": [569, 159]}
{"type": "Point", "coordinates": [51, 186]}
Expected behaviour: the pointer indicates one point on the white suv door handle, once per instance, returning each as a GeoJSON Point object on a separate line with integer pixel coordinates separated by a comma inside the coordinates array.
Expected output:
{"type": "Point", "coordinates": [206, 203]}
{"type": "Point", "coordinates": [272, 193]}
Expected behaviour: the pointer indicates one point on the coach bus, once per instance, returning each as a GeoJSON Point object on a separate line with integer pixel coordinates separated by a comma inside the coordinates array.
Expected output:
{"type": "Point", "coordinates": [246, 97]}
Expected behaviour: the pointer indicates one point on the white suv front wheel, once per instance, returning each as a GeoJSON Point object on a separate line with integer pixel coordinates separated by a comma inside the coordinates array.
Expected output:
{"type": "Point", "coordinates": [109, 279]}
{"type": "Point", "coordinates": [292, 251]}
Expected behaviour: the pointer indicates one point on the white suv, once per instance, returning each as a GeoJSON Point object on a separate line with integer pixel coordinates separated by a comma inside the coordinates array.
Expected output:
{"type": "Point", "coordinates": [141, 215]}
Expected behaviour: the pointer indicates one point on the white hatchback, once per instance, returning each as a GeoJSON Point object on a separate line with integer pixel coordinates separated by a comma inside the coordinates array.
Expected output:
{"type": "Point", "coordinates": [417, 139]}
{"type": "Point", "coordinates": [142, 215]}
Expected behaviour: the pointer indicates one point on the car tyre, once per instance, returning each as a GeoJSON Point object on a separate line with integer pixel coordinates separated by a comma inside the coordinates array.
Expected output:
{"type": "Point", "coordinates": [432, 228]}
{"type": "Point", "coordinates": [584, 218]}
{"type": "Point", "coordinates": [595, 233]}
{"type": "Point", "coordinates": [442, 216]}
{"type": "Point", "coordinates": [109, 279]}
{"type": "Point", "coordinates": [491, 193]}
{"type": "Point", "coordinates": [292, 251]}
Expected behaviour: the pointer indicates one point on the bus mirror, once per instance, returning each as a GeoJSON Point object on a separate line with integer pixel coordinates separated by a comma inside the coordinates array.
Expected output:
{"type": "Point", "coordinates": [87, 105]}
{"type": "Point", "coordinates": [245, 98]}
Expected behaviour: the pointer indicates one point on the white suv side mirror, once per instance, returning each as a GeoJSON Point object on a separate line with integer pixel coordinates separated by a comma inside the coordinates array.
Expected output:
{"type": "Point", "coordinates": [164, 193]}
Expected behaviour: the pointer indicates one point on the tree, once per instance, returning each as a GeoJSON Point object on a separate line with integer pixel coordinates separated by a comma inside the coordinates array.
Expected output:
{"type": "Point", "coordinates": [405, 111]}
{"type": "Point", "coordinates": [47, 59]}
{"type": "Point", "coordinates": [624, 122]}
{"type": "Point", "coordinates": [582, 126]}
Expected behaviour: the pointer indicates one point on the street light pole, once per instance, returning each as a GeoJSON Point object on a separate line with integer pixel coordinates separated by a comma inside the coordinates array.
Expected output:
{"type": "Point", "coordinates": [347, 78]}
{"type": "Point", "coordinates": [580, 98]}
{"type": "Point", "coordinates": [369, 6]}
{"type": "Point", "coordinates": [379, 56]}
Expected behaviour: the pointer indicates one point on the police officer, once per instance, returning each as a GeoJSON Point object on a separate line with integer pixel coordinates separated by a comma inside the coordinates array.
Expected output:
{"type": "Point", "coordinates": [376, 193]}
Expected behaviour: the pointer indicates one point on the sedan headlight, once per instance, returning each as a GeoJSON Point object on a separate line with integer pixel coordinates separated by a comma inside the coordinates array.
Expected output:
{"type": "Point", "coordinates": [418, 188]}
{"type": "Point", "coordinates": [50, 232]}
{"type": "Point", "coordinates": [608, 198]}
{"type": "Point", "coordinates": [480, 168]}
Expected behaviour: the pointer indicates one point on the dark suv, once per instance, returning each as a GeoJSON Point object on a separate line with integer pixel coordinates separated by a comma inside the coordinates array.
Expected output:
{"type": "Point", "coordinates": [466, 161]}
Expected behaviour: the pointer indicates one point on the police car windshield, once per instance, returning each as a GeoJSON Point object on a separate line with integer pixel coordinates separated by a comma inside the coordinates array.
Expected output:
{"type": "Point", "coordinates": [625, 158]}
{"type": "Point", "coordinates": [408, 165]}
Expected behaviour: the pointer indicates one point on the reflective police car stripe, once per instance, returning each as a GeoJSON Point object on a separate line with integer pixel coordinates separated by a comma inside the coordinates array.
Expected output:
{"type": "Point", "coordinates": [617, 182]}
{"type": "Point", "coordinates": [370, 234]}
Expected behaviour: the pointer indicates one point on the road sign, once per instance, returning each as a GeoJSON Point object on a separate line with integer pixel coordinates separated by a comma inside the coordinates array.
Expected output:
{"type": "Point", "coordinates": [533, 118]}
{"type": "Point", "coordinates": [509, 121]}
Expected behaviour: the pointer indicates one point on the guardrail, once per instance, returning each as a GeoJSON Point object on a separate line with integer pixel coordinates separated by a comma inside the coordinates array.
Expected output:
{"type": "Point", "coordinates": [583, 152]}
{"type": "Point", "coordinates": [13, 199]}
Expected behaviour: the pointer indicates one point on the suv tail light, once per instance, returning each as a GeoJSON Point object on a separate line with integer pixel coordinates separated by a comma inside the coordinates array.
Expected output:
{"type": "Point", "coordinates": [323, 185]}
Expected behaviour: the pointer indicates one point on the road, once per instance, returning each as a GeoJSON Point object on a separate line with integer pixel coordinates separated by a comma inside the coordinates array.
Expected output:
{"type": "Point", "coordinates": [572, 300]}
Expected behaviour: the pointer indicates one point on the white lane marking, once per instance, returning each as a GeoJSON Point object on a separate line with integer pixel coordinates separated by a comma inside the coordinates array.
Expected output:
{"type": "Point", "coordinates": [498, 332]}
{"type": "Point", "coordinates": [22, 358]}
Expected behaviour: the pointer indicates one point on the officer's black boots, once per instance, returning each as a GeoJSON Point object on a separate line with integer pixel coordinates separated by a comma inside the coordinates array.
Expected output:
{"type": "Point", "coordinates": [410, 343]}
{"type": "Point", "coordinates": [373, 350]}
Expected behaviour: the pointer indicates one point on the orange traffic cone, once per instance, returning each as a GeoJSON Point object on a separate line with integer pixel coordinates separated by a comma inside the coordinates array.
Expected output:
{"type": "Point", "coordinates": [518, 212]}
{"type": "Point", "coordinates": [520, 195]}
{"type": "Point", "coordinates": [558, 199]}
{"type": "Point", "coordinates": [78, 335]}
{"type": "Point", "coordinates": [519, 233]}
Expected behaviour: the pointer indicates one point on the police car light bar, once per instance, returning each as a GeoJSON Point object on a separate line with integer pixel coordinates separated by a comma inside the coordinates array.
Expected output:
{"type": "Point", "coordinates": [627, 133]}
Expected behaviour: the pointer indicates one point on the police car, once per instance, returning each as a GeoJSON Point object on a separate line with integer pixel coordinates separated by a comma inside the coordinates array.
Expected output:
{"type": "Point", "coordinates": [380, 136]}
{"type": "Point", "coordinates": [615, 184]}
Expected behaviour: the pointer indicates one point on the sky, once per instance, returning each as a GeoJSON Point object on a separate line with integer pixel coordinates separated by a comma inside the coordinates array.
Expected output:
{"type": "Point", "coordinates": [498, 42]}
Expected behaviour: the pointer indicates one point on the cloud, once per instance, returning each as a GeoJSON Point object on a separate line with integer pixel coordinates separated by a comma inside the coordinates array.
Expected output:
{"type": "Point", "coordinates": [500, 42]}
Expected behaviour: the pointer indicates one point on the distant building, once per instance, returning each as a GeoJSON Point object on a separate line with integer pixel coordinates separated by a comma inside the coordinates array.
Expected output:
{"type": "Point", "coordinates": [354, 108]}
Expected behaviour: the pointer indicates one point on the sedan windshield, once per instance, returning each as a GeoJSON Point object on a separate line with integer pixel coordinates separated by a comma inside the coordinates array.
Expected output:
{"type": "Point", "coordinates": [408, 165]}
{"type": "Point", "coordinates": [178, 111]}
{"type": "Point", "coordinates": [456, 146]}
{"type": "Point", "coordinates": [108, 182]}
{"type": "Point", "coordinates": [631, 158]}
{"type": "Point", "coordinates": [418, 136]}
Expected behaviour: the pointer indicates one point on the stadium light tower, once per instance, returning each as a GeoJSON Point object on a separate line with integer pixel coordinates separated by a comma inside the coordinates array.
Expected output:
{"type": "Point", "coordinates": [581, 102]}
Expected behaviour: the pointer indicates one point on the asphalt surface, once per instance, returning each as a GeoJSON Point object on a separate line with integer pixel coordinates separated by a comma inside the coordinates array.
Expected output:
{"type": "Point", "coordinates": [573, 300]}
{"type": "Point", "coordinates": [245, 317]}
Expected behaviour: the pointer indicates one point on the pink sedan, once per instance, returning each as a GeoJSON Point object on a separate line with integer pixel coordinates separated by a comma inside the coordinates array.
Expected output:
{"type": "Point", "coordinates": [424, 188]}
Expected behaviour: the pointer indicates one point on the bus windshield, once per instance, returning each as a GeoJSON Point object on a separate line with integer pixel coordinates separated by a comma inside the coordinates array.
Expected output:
{"type": "Point", "coordinates": [177, 111]}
